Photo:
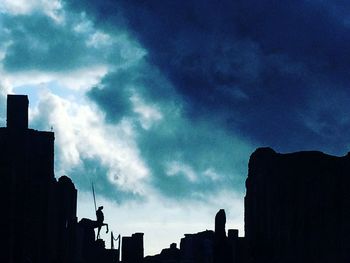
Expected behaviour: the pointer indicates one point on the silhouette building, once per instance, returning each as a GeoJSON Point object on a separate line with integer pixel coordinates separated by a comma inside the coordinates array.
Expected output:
{"type": "Point", "coordinates": [297, 207]}
{"type": "Point", "coordinates": [205, 247]}
{"type": "Point", "coordinates": [39, 213]}
{"type": "Point", "coordinates": [132, 248]}
{"type": "Point", "coordinates": [220, 240]}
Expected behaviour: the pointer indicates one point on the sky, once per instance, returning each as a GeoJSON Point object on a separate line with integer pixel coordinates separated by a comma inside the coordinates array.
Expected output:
{"type": "Point", "coordinates": [161, 103]}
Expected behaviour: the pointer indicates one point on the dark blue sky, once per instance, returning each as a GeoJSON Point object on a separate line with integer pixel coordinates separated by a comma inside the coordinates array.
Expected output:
{"type": "Point", "coordinates": [161, 103]}
{"type": "Point", "coordinates": [275, 72]}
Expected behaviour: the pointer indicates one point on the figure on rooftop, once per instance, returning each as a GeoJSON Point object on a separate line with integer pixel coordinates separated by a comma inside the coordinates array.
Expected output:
{"type": "Point", "coordinates": [100, 218]}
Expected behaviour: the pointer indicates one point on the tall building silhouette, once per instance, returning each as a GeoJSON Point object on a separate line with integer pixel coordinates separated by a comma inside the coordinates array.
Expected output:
{"type": "Point", "coordinates": [38, 213]}
{"type": "Point", "coordinates": [297, 207]}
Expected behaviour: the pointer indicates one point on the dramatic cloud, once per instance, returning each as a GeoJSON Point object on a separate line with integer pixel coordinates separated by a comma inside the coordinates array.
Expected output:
{"type": "Point", "coordinates": [160, 103]}
{"type": "Point", "coordinates": [255, 65]}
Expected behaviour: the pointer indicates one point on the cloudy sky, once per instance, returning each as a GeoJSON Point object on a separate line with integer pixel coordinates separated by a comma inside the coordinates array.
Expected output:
{"type": "Point", "coordinates": [161, 103]}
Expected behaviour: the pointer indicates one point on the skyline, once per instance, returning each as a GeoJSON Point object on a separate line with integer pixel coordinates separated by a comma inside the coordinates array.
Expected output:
{"type": "Point", "coordinates": [162, 109]}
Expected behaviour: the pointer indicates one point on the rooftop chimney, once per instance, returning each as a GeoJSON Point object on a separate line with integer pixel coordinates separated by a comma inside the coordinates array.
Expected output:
{"type": "Point", "coordinates": [17, 112]}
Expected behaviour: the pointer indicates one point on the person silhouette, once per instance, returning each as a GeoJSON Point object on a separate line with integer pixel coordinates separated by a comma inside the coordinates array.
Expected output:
{"type": "Point", "coordinates": [100, 218]}
{"type": "Point", "coordinates": [99, 215]}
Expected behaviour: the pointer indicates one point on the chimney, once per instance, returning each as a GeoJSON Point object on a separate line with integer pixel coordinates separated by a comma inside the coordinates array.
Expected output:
{"type": "Point", "coordinates": [17, 112]}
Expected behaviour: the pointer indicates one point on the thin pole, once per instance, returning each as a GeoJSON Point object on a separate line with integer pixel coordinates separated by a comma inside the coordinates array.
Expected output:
{"type": "Point", "coordinates": [112, 240]}
{"type": "Point", "coordinates": [93, 193]}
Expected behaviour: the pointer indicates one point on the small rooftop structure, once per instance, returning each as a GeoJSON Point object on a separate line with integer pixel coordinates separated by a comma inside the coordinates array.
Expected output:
{"type": "Point", "coordinates": [17, 112]}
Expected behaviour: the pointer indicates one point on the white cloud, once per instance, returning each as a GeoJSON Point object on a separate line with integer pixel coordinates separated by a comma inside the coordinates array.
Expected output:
{"type": "Point", "coordinates": [148, 114]}
{"type": "Point", "coordinates": [176, 168]}
{"type": "Point", "coordinates": [96, 38]}
{"type": "Point", "coordinates": [81, 79]}
{"type": "Point", "coordinates": [81, 133]}
{"type": "Point", "coordinates": [212, 174]}
{"type": "Point", "coordinates": [99, 39]}
{"type": "Point", "coordinates": [4, 90]}
{"type": "Point", "coordinates": [52, 8]}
